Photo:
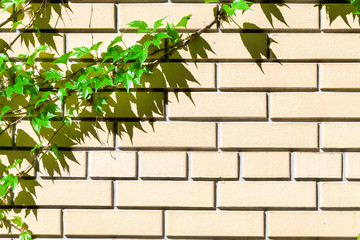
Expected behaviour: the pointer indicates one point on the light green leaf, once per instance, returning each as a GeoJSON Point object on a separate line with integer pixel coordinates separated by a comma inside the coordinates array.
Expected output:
{"type": "Point", "coordinates": [96, 46]}
{"type": "Point", "coordinates": [183, 22]}
{"type": "Point", "coordinates": [140, 25]}
{"type": "Point", "coordinates": [157, 24]}
{"type": "Point", "coordinates": [4, 110]}
{"type": "Point", "coordinates": [63, 58]}
{"type": "Point", "coordinates": [174, 35]}
{"type": "Point", "coordinates": [62, 93]}
{"type": "Point", "coordinates": [211, 1]}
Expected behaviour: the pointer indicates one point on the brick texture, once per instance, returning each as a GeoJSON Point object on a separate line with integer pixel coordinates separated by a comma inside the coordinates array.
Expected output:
{"type": "Point", "coordinates": [250, 132]}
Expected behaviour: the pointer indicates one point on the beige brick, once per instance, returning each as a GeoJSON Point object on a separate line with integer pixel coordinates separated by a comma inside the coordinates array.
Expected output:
{"type": "Point", "coordinates": [202, 14]}
{"type": "Point", "coordinates": [211, 105]}
{"type": "Point", "coordinates": [71, 164]}
{"type": "Point", "coordinates": [314, 224]}
{"type": "Point", "coordinates": [340, 195]}
{"type": "Point", "coordinates": [75, 16]}
{"type": "Point", "coordinates": [214, 224]}
{"type": "Point", "coordinates": [315, 46]}
{"type": "Point", "coordinates": [214, 165]}
{"type": "Point", "coordinates": [6, 137]}
{"type": "Point", "coordinates": [3, 17]}
{"type": "Point", "coordinates": [162, 165]}
{"type": "Point", "coordinates": [343, 135]}
{"type": "Point", "coordinates": [113, 164]}
{"type": "Point", "coordinates": [102, 222]}
{"type": "Point", "coordinates": [165, 194]}
{"type": "Point", "coordinates": [314, 105]}
{"type": "Point", "coordinates": [216, 46]}
{"type": "Point", "coordinates": [318, 165]}
{"type": "Point", "coordinates": [98, 134]}
{"type": "Point", "coordinates": [42, 222]}
{"type": "Point", "coordinates": [64, 193]}
{"type": "Point", "coordinates": [88, 39]}
{"type": "Point", "coordinates": [352, 165]}
{"type": "Point", "coordinates": [122, 105]}
{"type": "Point", "coordinates": [9, 157]}
{"type": "Point", "coordinates": [268, 76]}
{"type": "Point", "coordinates": [276, 16]}
{"type": "Point", "coordinates": [331, 73]}
{"type": "Point", "coordinates": [180, 75]}
{"type": "Point", "coordinates": [183, 135]}
{"type": "Point", "coordinates": [28, 42]}
{"type": "Point", "coordinates": [265, 165]}
{"type": "Point", "coordinates": [267, 195]}
{"type": "Point", "coordinates": [269, 135]}
{"type": "Point", "coordinates": [339, 17]}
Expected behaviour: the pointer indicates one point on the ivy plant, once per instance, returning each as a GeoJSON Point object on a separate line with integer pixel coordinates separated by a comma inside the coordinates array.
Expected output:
{"type": "Point", "coordinates": [45, 90]}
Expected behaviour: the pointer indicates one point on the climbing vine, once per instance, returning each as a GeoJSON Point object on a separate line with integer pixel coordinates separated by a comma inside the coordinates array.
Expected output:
{"type": "Point", "coordinates": [83, 73]}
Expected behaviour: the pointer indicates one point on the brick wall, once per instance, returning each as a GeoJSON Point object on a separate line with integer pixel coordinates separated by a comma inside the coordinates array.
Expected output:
{"type": "Point", "coordinates": [255, 134]}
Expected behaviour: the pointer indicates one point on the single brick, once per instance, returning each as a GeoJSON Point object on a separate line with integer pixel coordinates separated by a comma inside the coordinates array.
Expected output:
{"type": "Point", "coordinates": [64, 193]}
{"type": "Point", "coordinates": [339, 17]}
{"type": "Point", "coordinates": [28, 43]}
{"type": "Point", "coordinates": [318, 165]}
{"type": "Point", "coordinates": [9, 157]}
{"type": "Point", "coordinates": [121, 105]}
{"type": "Point", "coordinates": [75, 16]}
{"type": "Point", "coordinates": [265, 165]}
{"type": "Point", "coordinates": [340, 135]}
{"type": "Point", "coordinates": [313, 224]}
{"type": "Point", "coordinates": [162, 165]}
{"type": "Point", "coordinates": [71, 164]}
{"type": "Point", "coordinates": [42, 222]}
{"type": "Point", "coordinates": [3, 17]}
{"type": "Point", "coordinates": [211, 105]}
{"type": "Point", "coordinates": [216, 46]}
{"type": "Point", "coordinates": [99, 134]}
{"type": "Point", "coordinates": [180, 75]}
{"type": "Point", "coordinates": [314, 105]}
{"type": "Point", "coordinates": [331, 73]}
{"type": "Point", "coordinates": [214, 224]}
{"type": "Point", "coordinates": [352, 163]}
{"type": "Point", "coordinates": [269, 135]}
{"type": "Point", "coordinates": [202, 14]}
{"type": "Point", "coordinates": [340, 195]}
{"type": "Point", "coordinates": [268, 76]}
{"type": "Point", "coordinates": [315, 46]}
{"type": "Point", "coordinates": [276, 16]}
{"type": "Point", "coordinates": [183, 135]}
{"type": "Point", "coordinates": [112, 223]}
{"type": "Point", "coordinates": [165, 194]}
{"type": "Point", "coordinates": [112, 164]}
{"type": "Point", "coordinates": [214, 165]}
{"type": "Point", "coordinates": [267, 195]}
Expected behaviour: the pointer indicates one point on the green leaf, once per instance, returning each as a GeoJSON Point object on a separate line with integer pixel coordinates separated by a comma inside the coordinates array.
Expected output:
{"type": "Point", "coordinates": [67, 120]}
{"type": "Point", "coordinates": [18, 221]}
{"type": "Point", "coordinates": [229, 10]}
{"type": "Point", "coordinates": [211, 1]}
{"type": "Point", "coordinates": [36, 147]}
{"type": "Point", "coordinates": [2, 215]}
{"type": "Point", "coordinates": [183, 22]}
{"type": "Point", "coordinates": [98, 104]}
{"type": "Point", "coordinates": [55, 150]}
{"type": "Point", "coordinates": [174, 35]}
{"type": "Point", "coordinates": [41, 48]}
{"type": "Point", "coordinates": [80, 51]}
{"type": "Point", "coordinates": [115, 41]}
{"type": "Point", "coordinates": [14, 165]}
{"type": "Point", "coordinates": [14, 25]}
{"type": "Point", "coordinates": [157, 24]}
{"type": "Point", "coordinates": [53, 74]}
{"type": "Point", "coordinates": [62, 93]}
{"type": "Point", "coordinates": [240, 4]}
{"type": "Point", "coordinates": [96, 46]}
{"type": "Point", "coordinates": [63, 58]}
{"type": "Point", "coordinates": [4, 110]}
{"type": "Point", "coordinates": [358, 238]}
{"type": "Point", "coordinates": [25, 235]}
{"type": "Point", "coordinates": [141, 25]}
{"type": "Point", "coordinates": [356, 4]}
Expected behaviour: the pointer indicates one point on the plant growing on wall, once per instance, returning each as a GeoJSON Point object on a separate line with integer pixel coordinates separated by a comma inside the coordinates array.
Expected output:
{"type": "Point", "coordinates": [44, 90]}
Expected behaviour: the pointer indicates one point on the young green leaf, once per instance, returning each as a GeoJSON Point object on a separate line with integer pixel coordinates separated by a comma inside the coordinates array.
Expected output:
{"type": "Point", "coordinates": [98, 104]}
{"type": "Point", "coordinates": [4, 110]}
{"type": "Point", "coordinates": [14, 25]}
{"type": "Point", "coordinates": [96, 46]}
{"type": "Point", "coordinates": [241, 4]}
{"type": "Point", "coordinates": [157, 24]}
{"type": "Point", "coordinates": [25, 235]}
{"type": "Point", "coordinates": [17, 221]}
{"type": "Point", "coordinates": [356, 4]}
{"type": "Point", "coordinates": [63, 58]}
{"type": "Point", "coordinates": [55, 150]}
{"type": "Point", "coordinates": [53, 74]}
{"type": "Point", "coordinates": [80, 51]}
{"type": "Point", "coordinates": [174, 35]}
{"type": "Point", "coordinates": [140, 25]}
{"type": "Point", "coordinates": [183, 22]}
{"type": "Point", "coordinates": [62, 93]}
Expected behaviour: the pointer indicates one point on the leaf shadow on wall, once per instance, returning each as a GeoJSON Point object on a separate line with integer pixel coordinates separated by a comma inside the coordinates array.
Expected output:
{"type": "Point", "coordinates": [342, 11]}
